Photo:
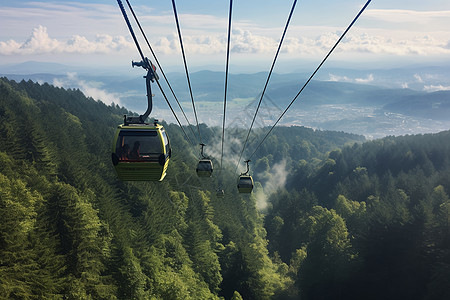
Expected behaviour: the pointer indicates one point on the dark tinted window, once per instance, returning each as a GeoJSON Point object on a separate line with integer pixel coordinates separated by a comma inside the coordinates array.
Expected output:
{"type": "Point", "coordinates": [245, 181]}
{"type": "Point", "coordinates": [146, 143]}
{"type": "Point", "coordinates": [204, 165]}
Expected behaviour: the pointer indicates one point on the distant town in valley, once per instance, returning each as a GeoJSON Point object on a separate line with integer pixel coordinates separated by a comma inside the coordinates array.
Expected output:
{"type": "Point", "coordinates": [373, 103]}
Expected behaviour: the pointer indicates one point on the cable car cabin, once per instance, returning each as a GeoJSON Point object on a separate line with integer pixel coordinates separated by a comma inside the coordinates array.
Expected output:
{"type": "Point", "coordinates": [245, 184]}
{"type": "Point", "coordinates": [220, 193]}
{"type": "Point", "coordinates": [141, 152]}
{"type": "Point", "coordinates": [204, 168]}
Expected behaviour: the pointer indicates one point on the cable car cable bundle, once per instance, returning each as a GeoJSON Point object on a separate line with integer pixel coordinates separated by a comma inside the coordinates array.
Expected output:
{"type": "Point", "coordinates": [135, 130]}
{"type": "Point", "coordinates": [186, 68]}
{"type": "Point", "coordinates": [162, 72]}
{"type": "Point", "coordinates": [205, 166]}
{"type": "Point", "coordinates": [220, 191]}
{"type": "Point", "coordinates": [149, 156]}
{"type": "Point", "coordinates": [295, 98]}
{"type": "Point", "coordinates": [312, 75]}
{"type": "Point", "coordinates": [267, 82]}
{"type": "Point", "coordinates": [161, 69]}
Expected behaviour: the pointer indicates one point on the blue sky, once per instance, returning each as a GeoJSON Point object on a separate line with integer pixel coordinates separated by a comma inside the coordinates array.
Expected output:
{"type": "Point", "coordinates": [390, 33]}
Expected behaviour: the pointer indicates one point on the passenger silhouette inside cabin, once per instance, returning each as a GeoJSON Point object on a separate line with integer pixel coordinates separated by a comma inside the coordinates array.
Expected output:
{"type": "Point", "coordinates": [125, 152]}
{"type": "Point", "coordinates": [141, 146]}
{"type": "Point", "coordinates": [135, 152]}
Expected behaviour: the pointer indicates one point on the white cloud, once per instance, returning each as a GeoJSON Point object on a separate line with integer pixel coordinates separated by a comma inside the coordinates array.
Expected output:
{"type": "Point", "coordinates": [41, 43]}
{"type": "Point", "coordinates": [90, 89]}
{"type": "Point", "coordinates": [337, 78]}
{"type": "Point", "coordinates": [279, 176]}
{"type": "Point", "coordinates": [416, 46]}
{"type": "Point", "coordinates": [9, 47]}
{"type": "Point", "coordinates": [418, 78]}
{"type": "Point", "coordinates": [435, 88]}
{"type": "Point", "coordinates": [368, 79]}
{"type": "Point", "coordinates": [231, 149]}
{"type": "Point", "coordinates": [277, 179]}
{"type": "Point", "coordinates": [243, 41]}
{"type": "Point", "coordinates": [85, 30]}
{"type": "Point", "coordinates": [406, 16]}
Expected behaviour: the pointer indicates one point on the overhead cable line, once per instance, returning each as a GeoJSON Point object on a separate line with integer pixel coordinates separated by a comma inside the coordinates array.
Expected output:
{"type": "Point", "coordinates": [226, 79]}
{"type": "Point", "coordinates": [186, 68]}
{"type": "Point", "coordinates": [122, 8]}
{"type": "Point", "coordinates": [267, 81]}
{"type": "Point", "coordinates": [312, 75]}
{"type": "Point", "coordinates": [124, 13]}
{"type": "Point", "coordinates": [161, 69]}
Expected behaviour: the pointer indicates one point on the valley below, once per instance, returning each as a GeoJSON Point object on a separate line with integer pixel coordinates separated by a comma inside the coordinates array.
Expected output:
{"type": "Point", "coordinates": [386, 103]}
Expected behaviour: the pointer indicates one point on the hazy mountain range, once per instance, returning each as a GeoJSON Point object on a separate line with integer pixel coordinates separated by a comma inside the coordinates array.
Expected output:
{"type": "Point", "coordinates": [370, 102]}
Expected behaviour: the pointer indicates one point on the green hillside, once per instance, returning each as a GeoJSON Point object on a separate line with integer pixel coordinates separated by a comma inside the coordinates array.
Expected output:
{"type": "Point", "coordinates": [352, 220]}
{"type": "Point", "coordinates": [372, 221]}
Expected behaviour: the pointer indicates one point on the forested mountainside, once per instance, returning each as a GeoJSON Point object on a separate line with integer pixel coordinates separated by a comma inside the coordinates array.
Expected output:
{"type": "Point", "coordinates": [354, 220]}
{"type": "Point", "coordinates": [372, 221]}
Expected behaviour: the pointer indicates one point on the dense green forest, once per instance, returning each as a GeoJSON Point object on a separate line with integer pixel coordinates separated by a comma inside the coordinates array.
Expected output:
{"type": "Point", "coordinates": [351, 219]}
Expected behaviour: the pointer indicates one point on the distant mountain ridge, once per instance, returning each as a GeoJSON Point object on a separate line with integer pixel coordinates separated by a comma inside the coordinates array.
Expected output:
{"type": "Point", "coordinates": [432, 105]}
{"type": "Point", "coordinates": [32, 67]}
{"type": "Point", "coordinates": [398, 91]}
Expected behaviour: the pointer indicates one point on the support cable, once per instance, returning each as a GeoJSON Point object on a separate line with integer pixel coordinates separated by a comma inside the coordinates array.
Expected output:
{"type": "Point", "coordinates": [144, 60]}
{"type": "Point", "coordinates": [161, 69]}
{"type": "Point", "coordinates": [226, 79]}
{"type": "Point", "coordinates": [312, 75]}
{"type": "Point", "coordinates": [186, 68]}
{"type": "Point", "coordinates": [267, 82]}
{"type": "Point", "coordinates": [173, 112]}
{"type": "Point", "coordinates": [130, 28]}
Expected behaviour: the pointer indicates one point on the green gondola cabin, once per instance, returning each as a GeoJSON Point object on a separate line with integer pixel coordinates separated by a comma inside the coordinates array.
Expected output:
{"type": "Point", "coordinates": [245, 184]}
{"type": "Point", "coordinates": [204, 168]}
{"type": "Point", "coordinates": [141, 152]}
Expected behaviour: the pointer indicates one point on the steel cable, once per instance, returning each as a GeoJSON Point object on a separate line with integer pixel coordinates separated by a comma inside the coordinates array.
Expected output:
{"type": "Point", "coordinates": [226, 79]}
{"type": "Point", "coordinates": [312, 75]}
{"type": "Point", "coordinates": [186, 68]}
{"type": "Point", "coordinates": [161, 69]}
{"type": "Point", "coordinates": [122, 8]}
{"type": "Point", "coordinates": [267, 82]}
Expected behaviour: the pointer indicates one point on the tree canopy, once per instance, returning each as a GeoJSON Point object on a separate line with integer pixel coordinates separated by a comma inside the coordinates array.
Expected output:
{"type": "Point", "coordinates": [342, 218]}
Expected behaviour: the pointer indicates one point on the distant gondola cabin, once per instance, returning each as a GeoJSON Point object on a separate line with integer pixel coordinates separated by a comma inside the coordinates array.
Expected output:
{"type": "Point", "coordinates": [204, 168]}
{"type": "Point", "coordinates": [220, 193]}
{"type": "Point", "coordinates": [245, 184]}
{"type": "Point", "coordinates": [141, 152]}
